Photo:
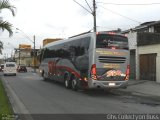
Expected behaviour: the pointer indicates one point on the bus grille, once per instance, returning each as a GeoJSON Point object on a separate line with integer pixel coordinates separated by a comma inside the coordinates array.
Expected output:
{"type": "Point", "coordinates": [111, 59]}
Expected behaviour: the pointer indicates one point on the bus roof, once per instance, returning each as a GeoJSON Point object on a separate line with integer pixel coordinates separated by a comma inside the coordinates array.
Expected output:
{"type": "Point", "coordinates": [88, 33]}
{"type": "Point", "coordinates": [69, 39]}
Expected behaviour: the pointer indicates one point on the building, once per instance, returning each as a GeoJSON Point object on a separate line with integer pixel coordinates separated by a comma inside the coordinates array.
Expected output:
{"type": "Point", "coordinates": [49, 40]}
{"type": "Point", "coordinates": [26, 57]}
{"type": "Point", "coordinates": [23, 56]}
{"type": "Point", "coordinates": [144, 43]}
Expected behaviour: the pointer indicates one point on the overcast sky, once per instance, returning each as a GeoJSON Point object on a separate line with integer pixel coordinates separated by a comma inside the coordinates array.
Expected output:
{"type": "Point", "coordinates": [64, 18]}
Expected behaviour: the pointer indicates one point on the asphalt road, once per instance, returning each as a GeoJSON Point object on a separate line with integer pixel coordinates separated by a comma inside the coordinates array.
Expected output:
{"type": "Point", "coordinates": [29, 94]}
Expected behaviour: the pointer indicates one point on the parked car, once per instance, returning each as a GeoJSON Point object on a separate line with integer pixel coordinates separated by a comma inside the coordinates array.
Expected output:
{"type": "Point", "coordinates": [1, 67]}
{"type": "Point", "coordinates": [10, 68]}
{"type": "Point", "coordinates": [21, 68]}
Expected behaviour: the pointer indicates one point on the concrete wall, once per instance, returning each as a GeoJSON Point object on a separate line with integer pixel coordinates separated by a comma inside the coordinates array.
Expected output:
{"type": "Point", "coordinates": [132, 39]}
{"type": "Point", "coordinates": [132, 64]}
{"type": "Point", "coordinates": [148, 49]}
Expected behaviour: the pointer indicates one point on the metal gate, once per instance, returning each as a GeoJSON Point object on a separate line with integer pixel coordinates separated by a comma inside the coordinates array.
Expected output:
{"type": "Point", "coordinates": [148, 66]}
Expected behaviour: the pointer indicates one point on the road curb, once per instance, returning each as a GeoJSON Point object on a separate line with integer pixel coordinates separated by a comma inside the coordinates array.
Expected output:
{"type": "Point", "coordinates": [17, 106]}
{"type": "Point", "coordinates": [138, 94]}
{"type": "Point", "coordinates": [136, 83]}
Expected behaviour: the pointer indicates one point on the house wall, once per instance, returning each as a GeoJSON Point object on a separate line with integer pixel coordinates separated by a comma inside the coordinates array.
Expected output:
{"type": "Point", "coordinates": [132, 64]}
{"type": "Point", "coordinates": [151, 29]}
{"type": "Point", "coordinates": [25, 57]}
{"type": "Point", "coordinates": [149, 49]}
{"type": "Point", "coordinates": [132, 39]}
{"type": "Point", "coordinates": [144, 49]}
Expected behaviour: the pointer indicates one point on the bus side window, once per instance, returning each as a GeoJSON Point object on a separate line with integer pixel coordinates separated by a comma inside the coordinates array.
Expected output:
{"type": "Point", "coordinates": [85, 43]}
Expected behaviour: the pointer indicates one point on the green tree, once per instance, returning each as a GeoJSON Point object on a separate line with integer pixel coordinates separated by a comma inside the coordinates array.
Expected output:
{"type": "Point", "coordinates": [4, 25]}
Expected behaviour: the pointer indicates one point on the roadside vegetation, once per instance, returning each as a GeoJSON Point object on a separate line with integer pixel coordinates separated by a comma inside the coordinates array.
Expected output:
{"type": "Point", "coordinates": [5, 25]}
{"type": "Point", "coordinates": [5, 106]}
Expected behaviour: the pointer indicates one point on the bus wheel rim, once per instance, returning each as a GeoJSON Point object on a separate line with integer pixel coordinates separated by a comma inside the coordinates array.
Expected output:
{"type": "Point", "coordinates": [74, 83]}
{"type": "Point", "coordinates": [66, 83]}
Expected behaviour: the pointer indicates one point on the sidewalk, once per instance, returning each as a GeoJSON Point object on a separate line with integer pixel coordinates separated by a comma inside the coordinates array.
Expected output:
{"type": "Point", "coordinates": [143, 87]}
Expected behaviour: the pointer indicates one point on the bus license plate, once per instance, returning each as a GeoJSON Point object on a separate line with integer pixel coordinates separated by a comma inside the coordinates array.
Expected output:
{"type": "Point", "coordinates": [112, 84]}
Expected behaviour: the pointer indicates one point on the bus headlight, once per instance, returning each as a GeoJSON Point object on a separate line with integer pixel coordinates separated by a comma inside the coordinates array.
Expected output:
{"type": "Point", "coordinates": [40, 71]}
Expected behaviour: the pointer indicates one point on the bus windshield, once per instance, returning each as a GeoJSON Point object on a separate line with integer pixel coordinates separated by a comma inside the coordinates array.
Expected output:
{"type": "Point", "coordinates": [109, 41]}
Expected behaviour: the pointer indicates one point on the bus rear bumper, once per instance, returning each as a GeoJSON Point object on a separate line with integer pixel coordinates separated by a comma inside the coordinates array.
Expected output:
{"type": "Point", "coordinates": [108, 84]}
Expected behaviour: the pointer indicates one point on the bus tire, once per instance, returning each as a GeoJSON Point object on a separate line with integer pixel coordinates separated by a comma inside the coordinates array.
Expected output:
{"type": "Point", "coordinates": [74, 84]}
{"type": "Point", "coordinates": [67, 81]}
{"type": "Point", "coordinates": [44, 75]}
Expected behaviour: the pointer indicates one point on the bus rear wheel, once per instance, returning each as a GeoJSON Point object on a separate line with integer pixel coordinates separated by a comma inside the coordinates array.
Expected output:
{"type": "Point", "coordinates": [74, 84]}
{"type": "Point", "coordinates": [67, 81]}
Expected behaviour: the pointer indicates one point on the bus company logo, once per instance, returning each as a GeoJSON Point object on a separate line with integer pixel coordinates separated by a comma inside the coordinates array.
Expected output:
{"type": "Point", "coordinates": [119, 53]}
{"type": "Point", "coordinates": [103, 52]}
{"type": "Point", "coordinates": [111, 66]}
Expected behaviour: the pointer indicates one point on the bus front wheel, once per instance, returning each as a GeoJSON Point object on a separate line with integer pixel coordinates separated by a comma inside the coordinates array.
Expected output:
{"type": "Point", "coordinates": [44, 75]}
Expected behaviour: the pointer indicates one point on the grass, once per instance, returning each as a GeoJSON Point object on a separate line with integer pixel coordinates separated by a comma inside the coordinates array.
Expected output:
{"type": "Point", "coordinates": [5, 106]}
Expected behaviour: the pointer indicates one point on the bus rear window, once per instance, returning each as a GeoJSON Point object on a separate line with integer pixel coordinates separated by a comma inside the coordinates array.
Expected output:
{"type": "Point", "coordinates": [109, 41]}
{"type": "Point", "coordinates": [10, 65]}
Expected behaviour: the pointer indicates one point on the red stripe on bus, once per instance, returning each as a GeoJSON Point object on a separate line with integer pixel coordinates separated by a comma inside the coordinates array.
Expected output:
{"type": "Point", "coordinates": [70, 70]}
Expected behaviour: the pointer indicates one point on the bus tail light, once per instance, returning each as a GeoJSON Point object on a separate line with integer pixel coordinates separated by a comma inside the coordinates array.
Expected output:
{"type": "Point", "coordinates": [127, 72]}
{"type": "Point", "coordinates": [94, 72]}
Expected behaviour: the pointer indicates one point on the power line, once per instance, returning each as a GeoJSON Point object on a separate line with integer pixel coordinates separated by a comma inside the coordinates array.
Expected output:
{"type": "Point", "coordinates": [25, 35]}
{"type": "Point", "coordinates": [130, 4]}
{"type": "Point", "coordinates": [93, 12]}
{"type": "Point", "coordinates": [89, 6]}
{"type": "Point", "coordinates": [121, 15]}
{"type": "Point", "coordinates": [82, 6]}
{"type": "Point", "coordinates": [34, 47]}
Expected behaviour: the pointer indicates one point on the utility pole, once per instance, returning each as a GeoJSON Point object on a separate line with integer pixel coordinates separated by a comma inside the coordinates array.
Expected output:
{"type": "Point", "coordinates": [94, 15]}
{"type": "Point", "coordinates": [34, 54]}
{"type": "Point", "coordinates": [93, 12]}
{"type": "Point", "coordinates": [19, 56]}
